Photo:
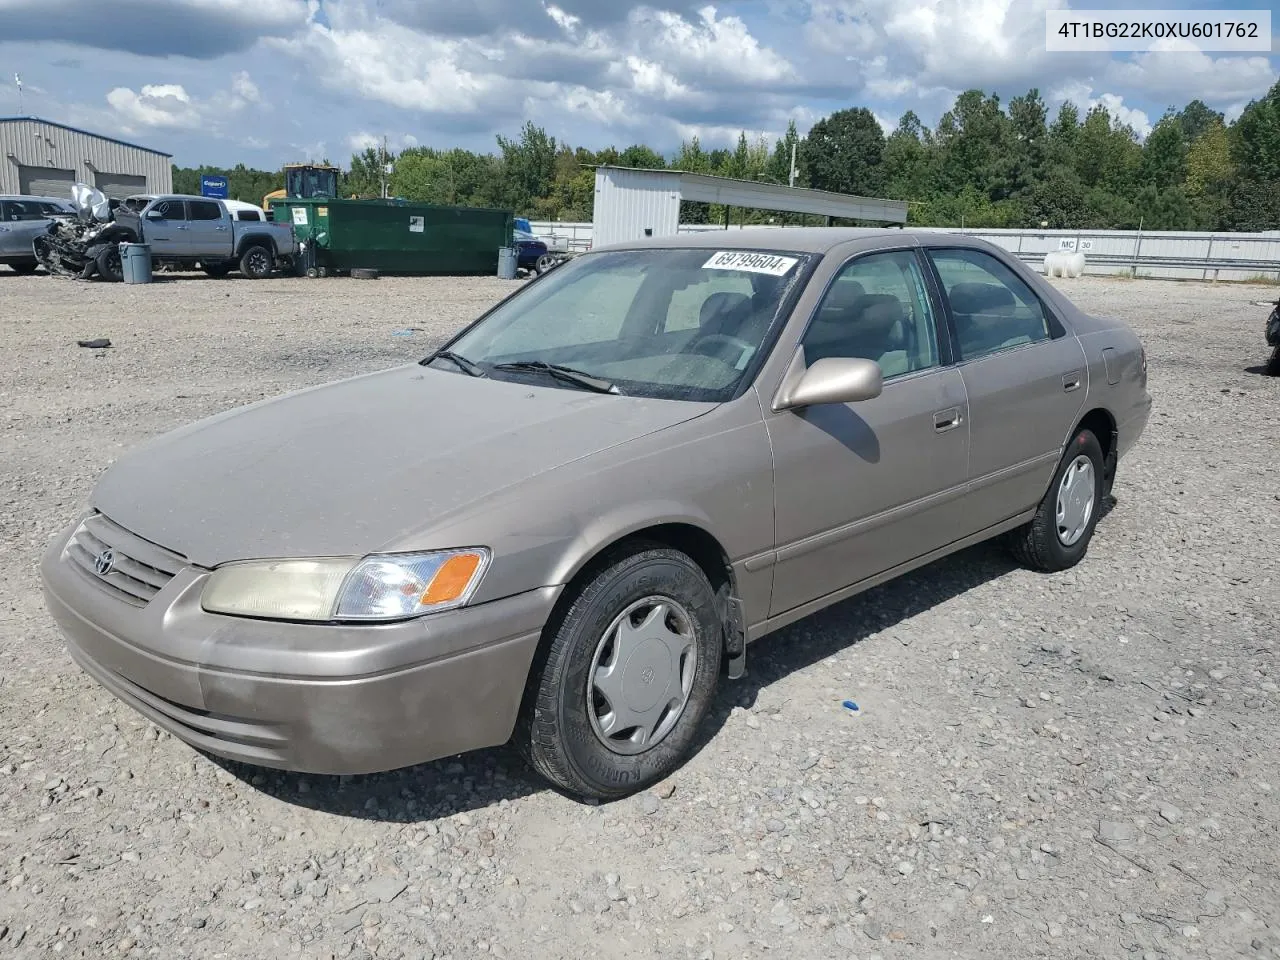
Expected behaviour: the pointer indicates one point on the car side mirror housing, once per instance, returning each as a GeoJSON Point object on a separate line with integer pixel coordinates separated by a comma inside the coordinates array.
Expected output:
{"type": "Point", "coordinates": [154, 215]}
{"type": "Point", "coordinates": [830, 380]}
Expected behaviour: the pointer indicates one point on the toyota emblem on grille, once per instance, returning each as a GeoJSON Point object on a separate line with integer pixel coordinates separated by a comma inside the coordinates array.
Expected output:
{"type": "Point", "coordinates": [104, 562]}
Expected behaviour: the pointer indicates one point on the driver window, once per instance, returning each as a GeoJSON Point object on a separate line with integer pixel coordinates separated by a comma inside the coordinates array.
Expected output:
{"type": "Point", "coordinates": [877, 308]}
{"type": "Point", "coordinates": [588, 309]}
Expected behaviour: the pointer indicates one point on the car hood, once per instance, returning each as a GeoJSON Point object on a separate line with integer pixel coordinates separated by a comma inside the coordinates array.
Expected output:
{"type": "Point", "coordinates": [355, 466]}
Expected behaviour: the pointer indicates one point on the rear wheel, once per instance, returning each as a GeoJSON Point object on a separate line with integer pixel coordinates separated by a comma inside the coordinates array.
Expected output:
{"type": "Point", "coordinates": [256, 263]}
{"type": "Point", "coordinates": [545, 263]}
{"type": "Point", "coordinates": [625, 676]}
{"type": "Point", "coordinates": [1059, 534]}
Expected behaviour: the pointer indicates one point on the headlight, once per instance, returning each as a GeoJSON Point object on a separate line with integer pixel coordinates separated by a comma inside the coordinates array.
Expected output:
{"type": "Point", "coordinates": [383, 587]}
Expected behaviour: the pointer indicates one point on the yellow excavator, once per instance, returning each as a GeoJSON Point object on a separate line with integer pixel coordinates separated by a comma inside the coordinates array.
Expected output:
{"type": "Point", "coordinates": [304, 181]}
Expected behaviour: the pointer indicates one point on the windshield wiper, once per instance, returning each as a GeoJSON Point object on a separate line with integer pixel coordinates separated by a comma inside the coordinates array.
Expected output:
{"type": "Point", "coordinates": [561, 372]}
{"type": "Point", "coordinates": [461, 362]}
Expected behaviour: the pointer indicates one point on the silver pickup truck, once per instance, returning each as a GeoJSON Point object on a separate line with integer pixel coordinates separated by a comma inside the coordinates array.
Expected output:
{"type": "Point", "coordinates": [188, 231]}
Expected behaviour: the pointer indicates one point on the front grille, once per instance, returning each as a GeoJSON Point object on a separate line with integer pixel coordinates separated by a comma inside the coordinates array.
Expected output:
{"type": "Point", "coordinates": [137, 570]}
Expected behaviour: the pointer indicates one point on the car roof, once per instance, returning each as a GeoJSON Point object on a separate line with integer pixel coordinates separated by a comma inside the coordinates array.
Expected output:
{"type": "Point", "coordinates": [795, 239]}
{"type": "Point", "coordinates": [32, 196]}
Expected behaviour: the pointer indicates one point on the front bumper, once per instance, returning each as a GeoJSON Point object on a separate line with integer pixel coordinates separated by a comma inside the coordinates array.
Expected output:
{"type": "Point", "coordinates": [315, 698]}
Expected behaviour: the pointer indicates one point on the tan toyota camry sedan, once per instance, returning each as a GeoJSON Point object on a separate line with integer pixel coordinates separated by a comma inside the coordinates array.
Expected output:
{"type": "Point", "coordinates": [567, 523]}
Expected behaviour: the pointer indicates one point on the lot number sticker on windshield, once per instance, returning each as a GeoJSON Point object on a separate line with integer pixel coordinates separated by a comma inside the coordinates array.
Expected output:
{"type": "Point", "coordinates": [768, 263]}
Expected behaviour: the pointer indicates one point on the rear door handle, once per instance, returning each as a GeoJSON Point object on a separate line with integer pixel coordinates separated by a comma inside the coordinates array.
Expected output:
{"type": "Point", "coordinates": [945, 420]}
{"type": "Point", "coordinates": [1071, 381]}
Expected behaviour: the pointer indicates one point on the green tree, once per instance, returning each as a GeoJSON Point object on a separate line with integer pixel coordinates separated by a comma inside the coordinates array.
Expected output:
{"type": "Point", "coordinates": [778, 169]}
{"type": "Point", "coordinates": [528, 167]}
{"type": "Point", "coordinates": [975, 138]}
{"type": "Point", "coordinates": [642, 157]}
{"type": "Point", "coordinates": [1256, 147]}
{"type": "Point", "coordinates": [1196, 118]}
{"type": "Point", "coordinates": [1210, 176]}
{"type": "Point", "coordinates": [909, 167]}
{"type": "Point", "coordinates": [1164, 155]}
{"type": "Point", "coordinates": [843, 153]}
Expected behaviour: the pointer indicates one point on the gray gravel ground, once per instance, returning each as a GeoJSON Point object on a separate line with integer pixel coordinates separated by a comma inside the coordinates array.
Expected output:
{"type": "Point", "coordinates": [1063, 766]}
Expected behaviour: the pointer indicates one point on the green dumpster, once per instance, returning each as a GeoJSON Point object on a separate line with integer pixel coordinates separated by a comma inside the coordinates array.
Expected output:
{"type": "Point", "coordinates": [398, 238]}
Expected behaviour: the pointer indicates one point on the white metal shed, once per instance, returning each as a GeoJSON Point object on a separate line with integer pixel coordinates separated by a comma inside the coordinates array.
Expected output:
{"type": "Point", "coordinates": [633, 203]}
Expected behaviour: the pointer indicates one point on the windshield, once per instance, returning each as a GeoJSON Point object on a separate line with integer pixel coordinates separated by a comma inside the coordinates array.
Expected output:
{"type": "Point", "coordinates": [672, 323]}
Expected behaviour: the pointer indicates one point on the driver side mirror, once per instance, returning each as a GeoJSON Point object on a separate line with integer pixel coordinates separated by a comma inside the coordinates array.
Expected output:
{"type": "Point", "coordinates": [154, 215]}
{"type": "Point", "coordinates": [830, 380]}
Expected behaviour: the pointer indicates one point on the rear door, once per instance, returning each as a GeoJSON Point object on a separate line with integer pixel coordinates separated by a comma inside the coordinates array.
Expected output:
{"type": "Point", "coordinates": [167, 233]}
{"type": "Point", "coordinates": [208, 230]}
{"type": "Point", "coordinates": [1024, 374]}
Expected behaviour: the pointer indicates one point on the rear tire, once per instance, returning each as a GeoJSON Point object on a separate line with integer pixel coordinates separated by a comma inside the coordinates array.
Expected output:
{"type": "Point", "coordinates": [1058, 536]}
{"type": "Point", "coordinates": [646, 622]}
{"type": "Point", "coordinates": [257, 263]}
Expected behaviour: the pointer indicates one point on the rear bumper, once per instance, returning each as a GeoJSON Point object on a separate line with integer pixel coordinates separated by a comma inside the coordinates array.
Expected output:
{"type": "Point", "coordinates": [1128, 432]}
{"type": "Point", "coordinates": [316, 698]}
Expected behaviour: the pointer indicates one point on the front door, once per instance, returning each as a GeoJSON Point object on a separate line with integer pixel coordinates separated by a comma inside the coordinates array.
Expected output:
{"type": "Point", "coordinates": [1025, 377]}
{"type": "Point", "coordinates": [167, 234]}
{"type": "Point", "coordinates": [864, 487]}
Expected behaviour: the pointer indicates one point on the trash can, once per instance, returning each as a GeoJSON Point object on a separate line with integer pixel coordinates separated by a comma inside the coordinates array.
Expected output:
{"type": "Point", "coordinates": [506, 263]}
{"type": "Point", "coordinates": [135, 262]}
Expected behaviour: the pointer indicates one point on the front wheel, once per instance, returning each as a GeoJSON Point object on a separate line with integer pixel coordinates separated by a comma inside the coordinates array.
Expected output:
{"type": "Point", "coordinates": [256, 263]}
{"type": "Point", "coordinates": [1058, 535]}
{"type": "Point", "coordinates": [625, 676]}
{"type": "Point", "coordinates": [24, 268]}
{"type": "Point", "coordinates": [110, 266]}
{"type": "Point", "coordinates": [544, 263]}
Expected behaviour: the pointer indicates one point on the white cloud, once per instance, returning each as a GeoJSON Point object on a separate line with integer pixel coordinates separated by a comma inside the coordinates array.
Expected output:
{"type": "Point", "coordinates": [1081, 94]}
{"type": "Point", "coordinates": [364, 140]}
{"type": "Point", "coordinates": [170, 106]}
{"type": "Point", "coordinates": [719, 47]}
{"type": "Point", "coordinates": [565, 21]}
{"type": "Point", "coordinates": [1185, 75]}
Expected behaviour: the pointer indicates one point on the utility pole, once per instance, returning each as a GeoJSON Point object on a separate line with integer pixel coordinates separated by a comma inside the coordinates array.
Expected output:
{"type": "Point", "coordinates": [383, 167]}
{"type": "Point", "coordinates": [17, 78]}
{"type": "Point", "coordinates": [791, 179]}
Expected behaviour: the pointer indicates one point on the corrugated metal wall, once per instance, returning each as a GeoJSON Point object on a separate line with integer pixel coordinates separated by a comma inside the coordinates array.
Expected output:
{"type": "Point", "coordinates": [630, 201]}
{"type": "Point", "coordinates": [35, 143]}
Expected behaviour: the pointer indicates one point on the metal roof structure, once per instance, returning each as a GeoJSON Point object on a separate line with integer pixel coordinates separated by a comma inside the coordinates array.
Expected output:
{"type": "Point", "coordinates": [87, 133]}
{"type": "Point", "coordinates": [632, 202]}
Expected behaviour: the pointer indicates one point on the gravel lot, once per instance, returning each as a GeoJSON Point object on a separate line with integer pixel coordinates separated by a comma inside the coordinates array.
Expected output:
{"type": "Point", "coordinates": [1064, 766]}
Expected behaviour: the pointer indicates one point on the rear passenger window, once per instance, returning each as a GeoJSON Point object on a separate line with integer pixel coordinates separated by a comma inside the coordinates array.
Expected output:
{"type": "Point", "coordinates": [993, 307]}
{"type": "Point", "coordinates": [877, 308]}
{"type": "Point", "coordinates": [203, 210]}
{"type": "Point", "coordinates": [22, 210]}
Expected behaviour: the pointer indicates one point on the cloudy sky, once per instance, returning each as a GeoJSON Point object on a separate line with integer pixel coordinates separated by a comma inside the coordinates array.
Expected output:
{"type": "Point", "coordinates": [267, 81]}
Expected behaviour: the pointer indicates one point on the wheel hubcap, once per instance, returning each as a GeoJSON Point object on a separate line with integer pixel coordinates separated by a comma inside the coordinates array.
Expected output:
{"type": "Point", "coordinates": [258, 261]}
{"type": "Point", "coordinates": [641, 675]}
{"type": "Point", "coordinates": [1075, 500]}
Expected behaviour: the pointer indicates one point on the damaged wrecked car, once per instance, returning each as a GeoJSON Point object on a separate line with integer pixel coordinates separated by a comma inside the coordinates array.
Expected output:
{"type": "Point", "coordinates": [84, 243]}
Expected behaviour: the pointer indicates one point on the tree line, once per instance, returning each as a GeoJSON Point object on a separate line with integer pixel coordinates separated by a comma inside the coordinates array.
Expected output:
{"type": "Point", "coordinates": [984, 164]}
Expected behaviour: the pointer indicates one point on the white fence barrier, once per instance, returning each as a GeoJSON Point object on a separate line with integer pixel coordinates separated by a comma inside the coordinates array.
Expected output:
{"type": "Point", "coordinates": [1165, 254]}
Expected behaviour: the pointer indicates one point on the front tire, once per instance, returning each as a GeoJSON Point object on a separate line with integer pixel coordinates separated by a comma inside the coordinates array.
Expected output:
{"type": "Point", "coordinates": [257, 262]}
{"type": "Point", "coordinates": [24, 268]}
{"type": "Point", "coordinates": [1059, 534]}
{"type": "Point", "coordinates": [110, 266]}
{"type": "Point", "coordinates": [625, 676]}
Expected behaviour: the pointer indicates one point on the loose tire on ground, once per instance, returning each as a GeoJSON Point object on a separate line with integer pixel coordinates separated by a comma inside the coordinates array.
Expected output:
{"type": "Point", "coordinates": [1273, 365]}
{"type": "Point", "coordinates": [564, 724]}
{"type": "Point", "coordinates": [24, 268]}
{"type": "Point", "coordinates": [257, 263]}
{"type": "Point", "coordinates": [1054, 539]}
{"type": "Point", "coordinates": [217, 270]}
{"type": "Point", "coordinates": [363, 273]}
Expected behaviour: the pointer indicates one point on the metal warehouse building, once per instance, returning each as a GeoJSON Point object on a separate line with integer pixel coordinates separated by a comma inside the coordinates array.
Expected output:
{"type": "Point", "coordinates": [45, 159]}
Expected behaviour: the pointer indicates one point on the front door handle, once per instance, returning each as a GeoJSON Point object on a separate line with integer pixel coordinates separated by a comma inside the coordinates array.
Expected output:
{"type": "Point", "coordinates": [1071, 381]}
{"type": "Point", "coordinates": [948, 419]}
